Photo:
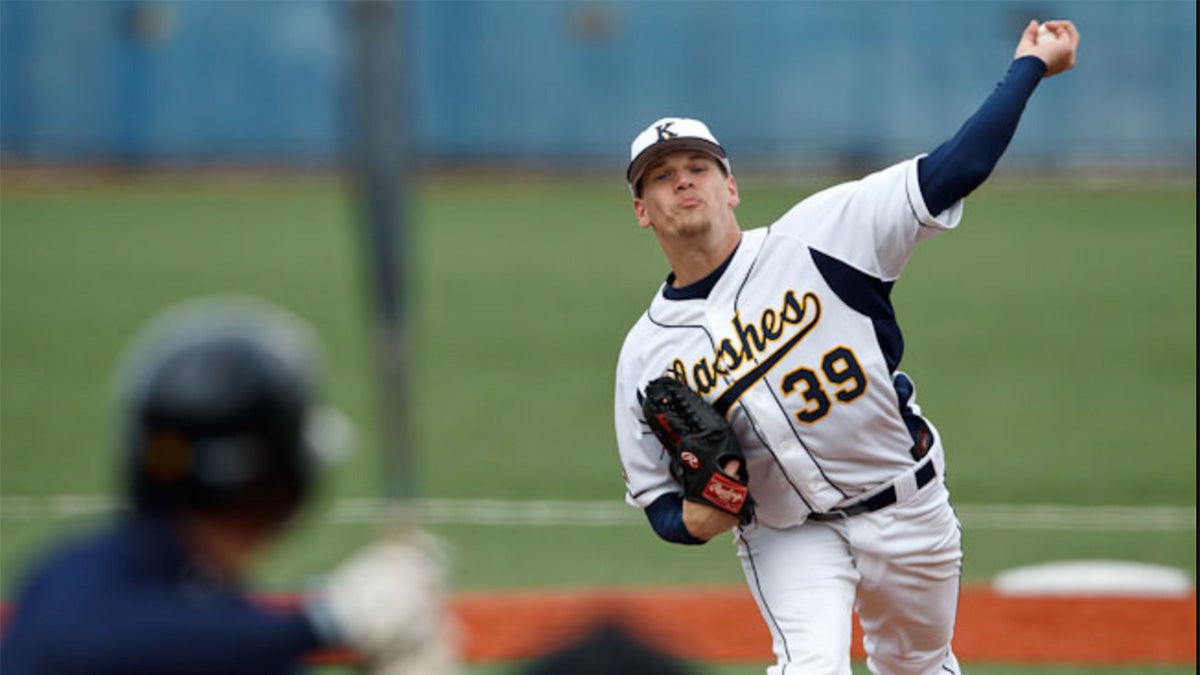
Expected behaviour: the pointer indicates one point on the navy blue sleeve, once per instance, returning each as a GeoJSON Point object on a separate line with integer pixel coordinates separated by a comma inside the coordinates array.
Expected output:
{"type": "Point", "coordinates": [71, 628]}
{"type": "Point", "coordinates": [666, 517]}
{"type": "Point", "coordinates": [145, 637]}
{"type": "Point", "coordinates": [962, 163]}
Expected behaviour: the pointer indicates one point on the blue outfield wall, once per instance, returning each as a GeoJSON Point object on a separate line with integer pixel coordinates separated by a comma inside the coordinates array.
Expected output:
{"type": "Point", "coordinates": [86, 80]}
{"type": "Point", "coordinates": [537, 82]}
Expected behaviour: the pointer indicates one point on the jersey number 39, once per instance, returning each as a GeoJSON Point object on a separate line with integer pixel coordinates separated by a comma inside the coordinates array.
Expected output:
{"type": "Point", "coordinates": [846, 378]}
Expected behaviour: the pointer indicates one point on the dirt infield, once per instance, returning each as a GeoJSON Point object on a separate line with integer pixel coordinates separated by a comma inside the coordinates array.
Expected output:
{"type": "Point", "coordinates": [723, 624]}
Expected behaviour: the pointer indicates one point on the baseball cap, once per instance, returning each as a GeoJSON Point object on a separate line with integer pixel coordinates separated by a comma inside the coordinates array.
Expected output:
{"type": "Point", "coordinates": [668, 135]}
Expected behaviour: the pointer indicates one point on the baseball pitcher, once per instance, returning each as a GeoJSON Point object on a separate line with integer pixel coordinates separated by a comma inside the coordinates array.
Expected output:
{"type": "Point", "coordinates": [762, 391]}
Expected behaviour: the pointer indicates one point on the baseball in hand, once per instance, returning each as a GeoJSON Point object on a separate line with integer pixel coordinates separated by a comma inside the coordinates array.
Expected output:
{"type": "Point", "coordinates": [1045, 35]}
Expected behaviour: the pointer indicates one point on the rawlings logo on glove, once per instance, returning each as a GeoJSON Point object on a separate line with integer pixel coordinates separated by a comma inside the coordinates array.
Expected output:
{"type": "Point", "coordinates": [700, 443]}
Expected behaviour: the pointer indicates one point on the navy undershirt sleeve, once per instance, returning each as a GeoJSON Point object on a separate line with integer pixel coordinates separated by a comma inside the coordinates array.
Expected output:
{"type": "Point", "coordinates": [128, 602]}
{"type": "Point", "coordinates": [144, 638]}
{"type": "Point", "coordinates": [666, 517]}
{"type": "Point", "coordinates": [962, 163]}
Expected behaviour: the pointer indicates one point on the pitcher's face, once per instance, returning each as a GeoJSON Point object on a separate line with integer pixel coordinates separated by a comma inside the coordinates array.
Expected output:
{"type": "Point", "coordinates": [686, 193]}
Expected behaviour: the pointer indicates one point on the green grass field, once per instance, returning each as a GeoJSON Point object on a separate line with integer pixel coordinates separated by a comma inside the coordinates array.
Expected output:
{"type": "Point", "coordinates": [1052, 339]}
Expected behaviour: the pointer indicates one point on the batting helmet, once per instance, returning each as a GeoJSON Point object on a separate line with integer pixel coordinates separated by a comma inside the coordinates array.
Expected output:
{"type": "Point", "coordinates": [218, 406]}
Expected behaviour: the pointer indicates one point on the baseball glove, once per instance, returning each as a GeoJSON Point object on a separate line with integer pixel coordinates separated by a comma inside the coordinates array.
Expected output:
{"type": "Point", "coordinates": [700, 443]}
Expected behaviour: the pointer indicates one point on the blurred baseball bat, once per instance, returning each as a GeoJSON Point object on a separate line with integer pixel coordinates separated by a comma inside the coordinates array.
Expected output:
{"type": "Point", "coordinates": [382, 173]}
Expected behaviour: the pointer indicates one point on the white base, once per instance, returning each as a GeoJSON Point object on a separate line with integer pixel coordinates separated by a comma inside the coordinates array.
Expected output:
{"type": "Point", "coordinates": [1093, 577]}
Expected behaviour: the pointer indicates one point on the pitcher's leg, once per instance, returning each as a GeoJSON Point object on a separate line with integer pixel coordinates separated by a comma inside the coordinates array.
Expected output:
{"type": "Point", "coordinates": [908, 603]}
{"type": "Point", "coordinates": [803, 579]}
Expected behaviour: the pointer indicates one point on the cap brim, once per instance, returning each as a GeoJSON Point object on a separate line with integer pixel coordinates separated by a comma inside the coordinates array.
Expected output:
{"type": "Point", "coordinates": [650, 154]}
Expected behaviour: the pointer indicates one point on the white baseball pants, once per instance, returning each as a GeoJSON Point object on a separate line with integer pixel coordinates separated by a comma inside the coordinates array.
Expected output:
{"type": "Point", "coordinates": [898, 568]}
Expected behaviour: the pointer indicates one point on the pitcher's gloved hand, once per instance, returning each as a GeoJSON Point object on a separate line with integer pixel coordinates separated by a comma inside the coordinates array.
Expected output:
{"type": "Point", "coordinates": [700, 443]}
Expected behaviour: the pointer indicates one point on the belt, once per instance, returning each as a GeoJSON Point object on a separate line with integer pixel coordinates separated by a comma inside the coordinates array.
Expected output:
{"type": "Point", "coordinates": [887, 497]}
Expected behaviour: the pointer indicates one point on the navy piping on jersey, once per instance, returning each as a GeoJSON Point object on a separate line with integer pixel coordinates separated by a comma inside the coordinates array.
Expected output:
{"type": "Point", "coordinates": [868, 296]}
{"type": "Point", "coordinates": [735, 391]}
{"type": "Point", "coordinates": [787, 476]}
{"type": "Point", "coordinates": [737, 298]}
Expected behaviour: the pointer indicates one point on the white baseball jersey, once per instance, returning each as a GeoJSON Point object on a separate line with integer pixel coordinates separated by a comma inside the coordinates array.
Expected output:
{"type": "Point", "coordinates": [798, 342]}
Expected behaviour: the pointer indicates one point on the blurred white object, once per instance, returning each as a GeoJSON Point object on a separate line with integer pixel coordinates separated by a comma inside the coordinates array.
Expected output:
{"type": "Point", "coordinates": [1093, 577]}
{"type": "Point", "coordinates": [389, 601]}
